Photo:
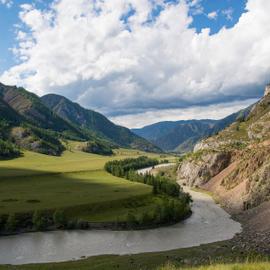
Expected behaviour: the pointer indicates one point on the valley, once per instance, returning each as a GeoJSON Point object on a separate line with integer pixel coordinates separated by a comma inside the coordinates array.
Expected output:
{"type": "Point", "coordinates": [97, 195]}
{"type": "Point", "coordinates": [76, 182]}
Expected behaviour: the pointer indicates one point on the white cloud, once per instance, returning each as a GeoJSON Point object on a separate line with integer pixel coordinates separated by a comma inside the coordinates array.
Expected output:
{"type": "Point", "coordinates": [7, 3]}
{"type": "Point", "coordinates": [212, 15]}
{"type": "Point", "coordinates": [228, 13]}
{"type": "Point", "coordinates": [82, 49]}
{"type": "Point", "coordinates": [218, 111]}
{"type": "Point", "coordinates": [196, 7]}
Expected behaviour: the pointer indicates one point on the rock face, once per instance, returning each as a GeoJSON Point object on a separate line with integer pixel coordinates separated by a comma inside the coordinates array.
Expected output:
{"type": "Point", "coordinates": [196, 172]}
{"type": "Point", "coordinates": [267, 90]}
{"type": "Point", "coordinates": [234, 164]}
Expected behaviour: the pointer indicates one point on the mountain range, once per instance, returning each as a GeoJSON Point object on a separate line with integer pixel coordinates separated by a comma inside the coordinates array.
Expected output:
{"type": "Point", "coordinates": [41, 124]}
{"type": "Point", "coordinates": [181, 136]}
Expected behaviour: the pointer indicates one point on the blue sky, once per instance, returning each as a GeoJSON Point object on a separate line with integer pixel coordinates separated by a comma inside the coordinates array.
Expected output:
{"type": "Point", "coordinates": [152, 58]}
{"type": "Point", "coordinates": [223, 8]}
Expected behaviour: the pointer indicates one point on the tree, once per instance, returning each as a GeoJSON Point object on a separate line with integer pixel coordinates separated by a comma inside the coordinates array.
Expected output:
{"type": "Point", "coordinates": [39, 221]}
{"type": "Point", "coordinates": [11, 223]}
{"type": "Point", "coordinates": [146, 218]}
{"type": "Point", "coordinates": [2, 222]}
{"type": "Point", "coordinates": [157, 214]}
{"type": "Point", "coordinates": [59, 218]}
{"type": "Point", "coordinates": [131, 220]}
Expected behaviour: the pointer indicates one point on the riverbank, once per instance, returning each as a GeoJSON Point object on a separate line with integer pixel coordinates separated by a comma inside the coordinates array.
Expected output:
{"type": "Point", "coordinates": [255, 234]}
{"type": "Point", "coordinates": [208, 254]}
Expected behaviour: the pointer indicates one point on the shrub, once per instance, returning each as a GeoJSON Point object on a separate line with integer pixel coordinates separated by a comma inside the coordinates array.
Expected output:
{"type": "Point", "coordinates": [146, 218]}
{"type": "Point", "coordinates": [8, 150]}
{"type": "Point", "coordinates": [11, 223]}
{"type": "Point", "coordinates": [131, 220]}
{"type": "Point", "coordinates": [71, 224]}
{"type": "Point", "coordinates": [82, 225]}
{"type": "Point", "coordinates": [97, 147]}
{"type": "Point", "coordinates": [2, 222]}
{"type": "Point", "coordinates": [59, 218]}
{"type": "Point", "coordinates": [39, 221]}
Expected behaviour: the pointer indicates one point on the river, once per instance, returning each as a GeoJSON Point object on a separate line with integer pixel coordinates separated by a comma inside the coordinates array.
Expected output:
{"type": "Point", "coordinates": [208, 223]}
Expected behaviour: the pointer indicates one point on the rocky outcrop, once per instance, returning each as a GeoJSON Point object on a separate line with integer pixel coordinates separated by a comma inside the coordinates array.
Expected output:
{"type": "Point", "coordinates": [211, 144]}
{"type": "Point", "coordinates": [235, 163]}
{"type": "Point", "coordinates": [32, 140]}
{"type": "Point", "coordinates": [198, 171]}
{"type": "Point", "coordinates": [267, 90]}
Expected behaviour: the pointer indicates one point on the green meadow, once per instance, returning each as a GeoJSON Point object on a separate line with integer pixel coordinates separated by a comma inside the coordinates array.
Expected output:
{"type": "Point", "coordinates": [75, 182]}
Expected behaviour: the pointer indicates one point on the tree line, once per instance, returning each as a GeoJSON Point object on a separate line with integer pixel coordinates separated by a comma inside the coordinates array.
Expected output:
{"type": "Point", "coordinates": [127, 168]}
{"type": "Point", "coordinates": [39, 221]}
{"type": "Point", "coordinates": [174, 204]}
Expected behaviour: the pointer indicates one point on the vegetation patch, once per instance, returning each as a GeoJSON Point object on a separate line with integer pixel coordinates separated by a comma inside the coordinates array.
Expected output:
{"type": "Point", "coordinates": [174, 208]}
{"type": "Point", "coordinates": [10, 200]}
{"type": "Point", "coordinates": [75, 184]}
{"type": "Point", "coordinates": [98, 147]}
{"type": "Point", "coordinates": [33, 201]}
{"type": "Point", "coordinates": [8, 150]}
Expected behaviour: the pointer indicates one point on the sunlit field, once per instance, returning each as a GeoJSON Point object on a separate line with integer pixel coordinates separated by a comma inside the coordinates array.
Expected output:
{"type": "Point", "coordinates": [75, 182]}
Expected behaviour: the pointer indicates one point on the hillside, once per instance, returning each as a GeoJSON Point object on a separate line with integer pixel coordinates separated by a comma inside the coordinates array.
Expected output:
{"type": "Point", "coordinates": [39, 124]}
{"type": "Point", "coordinates": [181, 136]}
{"type": "Point", "coordinates": [235, 163]}
{"type": "Point", "coordinates": [94, 123]}
{"type": "Point", "coordinates": [30, 107]}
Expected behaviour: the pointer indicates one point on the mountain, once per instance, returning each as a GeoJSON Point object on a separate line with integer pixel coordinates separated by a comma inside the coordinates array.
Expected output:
{"type": "Point", "coordinates": [94, 123]}
{"type": "Point", "coordinates": [40, 124]}
{"type": "Point", "coordinates": [181, 136]}
{"type": "Point", "coordinates": [235, 163]}
{"type": "Point", "coordinates": [32, 110]}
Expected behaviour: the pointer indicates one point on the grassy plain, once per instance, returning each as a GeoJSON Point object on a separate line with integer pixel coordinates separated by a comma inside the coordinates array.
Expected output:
{"type": "Point", "coordinates": [75, 182]}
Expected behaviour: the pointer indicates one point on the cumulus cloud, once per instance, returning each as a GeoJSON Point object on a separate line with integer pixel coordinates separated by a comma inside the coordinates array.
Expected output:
{"type": "Point", "coordinates": [212, 15]}
{"type": "Point", "coordinates": [116, 57]}
{"type": "Point", "coordinates": [7, 3]}
{"type": "Point", "coordinates": [228, 13]}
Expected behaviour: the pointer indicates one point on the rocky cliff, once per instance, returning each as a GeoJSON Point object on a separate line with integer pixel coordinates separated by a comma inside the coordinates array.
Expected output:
{"type": "Point", "coordinates": [235, 163]}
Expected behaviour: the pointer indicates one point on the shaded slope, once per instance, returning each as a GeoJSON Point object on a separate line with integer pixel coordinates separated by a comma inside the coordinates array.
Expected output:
{"type": "Point", "coordinates": [30, 107]}
{"type": "Point", "coordinates": [95, 123]}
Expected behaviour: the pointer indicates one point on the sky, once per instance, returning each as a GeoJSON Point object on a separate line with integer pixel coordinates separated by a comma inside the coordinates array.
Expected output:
{"type": "Point", "coordinates": [139, 61]}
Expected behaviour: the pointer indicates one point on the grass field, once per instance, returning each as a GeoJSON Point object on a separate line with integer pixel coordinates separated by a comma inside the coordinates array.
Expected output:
{"type": "Point", "coordinates": [76, 182]}
{"type": "Point", "coordinates": [244, 266]}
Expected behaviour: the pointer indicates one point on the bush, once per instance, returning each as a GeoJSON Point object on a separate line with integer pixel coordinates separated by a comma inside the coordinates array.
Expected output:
{"type": "Point", "coordinates": [97, 147]}
{"type": "Point", "coordinates": [82, 225]}
{"type": "Point", "coordinates": [8, 150]}
{"type": "Point", "coordinates": [131, 220]}
{"type": "Point", "coordinates": [39, 221]}
{"type": "Point", "coordinates": [2, 222]}
{"type": "Point", "coordinates": [146, 218]}
{"type": "Point", "coordinates": [71, 224]}
{"type": "Point", "coordinates": [11, 223]}
{"type": "Point", "coordinates": [59, 218]}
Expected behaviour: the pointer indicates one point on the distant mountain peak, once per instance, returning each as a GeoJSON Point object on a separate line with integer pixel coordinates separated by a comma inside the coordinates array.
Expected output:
{"type": "Point", "coordinates": [181, 136]}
